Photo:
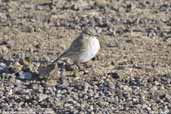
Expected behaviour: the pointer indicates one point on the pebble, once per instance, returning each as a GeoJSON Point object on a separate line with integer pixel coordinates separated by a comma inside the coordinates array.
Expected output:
{"type": "Point", "coordinates": [24, 75]}
{"type": "Point", "coordinates": [42, 97]}
{"type": "Point", "coordinates": [3, 66]}
{"type": "Point", "coordinates": [114, 75]}
{"type": "Point", "coordinates": [10, 43]}
{"type": "Point", "coordinates": [3, 50]}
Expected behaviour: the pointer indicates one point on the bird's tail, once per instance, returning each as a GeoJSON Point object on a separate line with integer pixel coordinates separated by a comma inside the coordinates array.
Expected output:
{"type": "Point", "coordinates": [58, 58]}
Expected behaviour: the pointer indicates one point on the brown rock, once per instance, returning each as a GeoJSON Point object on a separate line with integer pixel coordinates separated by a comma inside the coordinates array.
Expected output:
{"type": "Point", "coordinates": [3, 50]}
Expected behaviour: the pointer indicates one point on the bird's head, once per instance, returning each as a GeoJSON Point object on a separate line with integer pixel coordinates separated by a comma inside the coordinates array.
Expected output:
{"type": "Point", "coordinates": [91, 31]}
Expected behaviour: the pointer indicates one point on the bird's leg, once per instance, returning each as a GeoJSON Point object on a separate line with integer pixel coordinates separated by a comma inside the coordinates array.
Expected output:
{"type": "Point", "coordinates": [76, 71]}
{"type": "Point", "coordinates": [80, 68]}
{"type": "Point", "coordinates": [62, 70]}
{"type": "Point", "coordinates": [87, 65]}
{"type": "Point", "coordinates": [63, 77]}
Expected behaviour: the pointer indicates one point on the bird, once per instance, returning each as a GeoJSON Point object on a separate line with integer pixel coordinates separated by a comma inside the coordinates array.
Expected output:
{"type": "Point", "coordinates": [83, 48]}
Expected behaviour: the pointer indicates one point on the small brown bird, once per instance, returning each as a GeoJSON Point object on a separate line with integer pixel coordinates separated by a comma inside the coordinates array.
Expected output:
{"type": "Point", "coordinates": [83, 48]}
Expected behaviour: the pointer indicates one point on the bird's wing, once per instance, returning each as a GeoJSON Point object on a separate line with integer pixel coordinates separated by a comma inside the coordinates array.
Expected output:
{"type": "Point", "coordinates": [79, 45]}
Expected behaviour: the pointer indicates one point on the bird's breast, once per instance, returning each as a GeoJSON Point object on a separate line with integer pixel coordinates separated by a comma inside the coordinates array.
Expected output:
{"type": "Point", "coordinates": [91, 51]}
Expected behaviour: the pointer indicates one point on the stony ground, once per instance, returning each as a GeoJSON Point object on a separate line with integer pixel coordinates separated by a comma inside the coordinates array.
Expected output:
{"type": "Point", "coordinates": [130, 75]}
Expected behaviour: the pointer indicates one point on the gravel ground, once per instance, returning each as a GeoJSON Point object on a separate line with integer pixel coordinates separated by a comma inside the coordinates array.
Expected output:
{"type": "Point", "coordinates": [130, 75]}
